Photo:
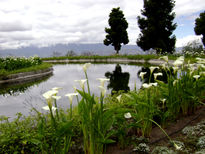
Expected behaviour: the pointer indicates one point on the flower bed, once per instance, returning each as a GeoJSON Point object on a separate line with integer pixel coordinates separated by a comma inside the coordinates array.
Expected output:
{"type": "Point", "coordinates": [99, 121]}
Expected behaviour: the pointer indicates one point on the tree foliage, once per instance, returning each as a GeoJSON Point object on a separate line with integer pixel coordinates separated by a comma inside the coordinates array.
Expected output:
{"type": "Point", "coordinates": [156, 25]}
{"type": "Point", "coordinates": [200, 26]}
{"type": "Point", "coordinates": [117, 33]}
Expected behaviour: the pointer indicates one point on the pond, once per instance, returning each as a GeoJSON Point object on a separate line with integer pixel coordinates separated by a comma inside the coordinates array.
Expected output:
{"type": "Point", "coordinates": [23, 98]}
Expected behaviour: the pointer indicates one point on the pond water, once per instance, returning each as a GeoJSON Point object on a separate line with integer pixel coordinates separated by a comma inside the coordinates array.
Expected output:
{"type": "Point", "coordinates": [23, 98]}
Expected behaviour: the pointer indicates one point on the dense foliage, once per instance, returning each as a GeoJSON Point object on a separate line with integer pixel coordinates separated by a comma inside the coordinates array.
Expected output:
{"type": "Point", "coordinates": [157, 26]}
{"type": "Point", "coordinates": [117, 33]}
{"type": "Point", "coordinates": [199, 26]}
{"type": "Point", "coordinates": [11, 63]}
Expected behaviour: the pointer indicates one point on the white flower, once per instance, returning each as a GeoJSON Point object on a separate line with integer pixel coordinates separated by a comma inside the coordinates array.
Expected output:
{"type": "Point", "coordinates": [145, 85]}
{"type": "Point", "coordinates": [177, 147]}
{"type": "Point", "coordinates": [119, 98]}
{"type": "Point", "coordinates": [102, 81]}
{"type": "Point", "coordinates": [103, 90]}
{"type": "Point", "coordinates": [152, 68]}
{"type": "Point", "coordinates": [196, 77]}
{"type": "Point", "coordinates": [57, 88]}
{"type": "Point", "coordinates": [179, 61]}
{"type": "Point", "coordinates": [175, 68]}
{"type": "Point", "coordinates": [165, 58]}
{"type": "Point", "coordinates": [163, 100]}
{"type": "Point", "coordinates": [56, 97]}
{"type": "Point", "coordinates": [142, 74]}
{"type": "Point", "coordinates": [81, 82]}
{"type": "Point", "coordinates": [70, 96]}
{"type": "Point", "coordinates": [174, 82]}
{"type": "Point", "coordinates": [154, 84]}
{"type": "Point", "coordinates": [86, 66]}
{"type": "Point", "coordinates": [49, 94]}
{"type": "Point", "coordinates": [47, 108]}
{"type": "Point", "coordinates": [157, 74]}
{"type": "Point", "coordinates": [127, 115]}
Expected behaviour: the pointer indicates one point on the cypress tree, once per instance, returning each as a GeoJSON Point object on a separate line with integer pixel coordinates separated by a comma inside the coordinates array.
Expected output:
{"type": "Point", "coordinates": [156, 25]}
{"type": "Point", "coordinates": [117, 33]}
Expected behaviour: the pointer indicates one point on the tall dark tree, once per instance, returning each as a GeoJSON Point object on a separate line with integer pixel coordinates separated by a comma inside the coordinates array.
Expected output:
{"type": "Point", "coordinates": [157, 26]}
{"type": "Point", "coordinates": [200, 26]}
{"type": "Point", "coordinates": [117, 33]}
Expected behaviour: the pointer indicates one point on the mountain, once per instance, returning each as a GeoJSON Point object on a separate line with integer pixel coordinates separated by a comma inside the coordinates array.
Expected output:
{"type": "Point", "coordinates": [62, 49]}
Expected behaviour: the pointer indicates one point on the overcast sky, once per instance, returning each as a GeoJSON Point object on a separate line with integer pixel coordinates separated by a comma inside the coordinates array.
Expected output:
{"type": "Point", "coordinates": [47, 22]}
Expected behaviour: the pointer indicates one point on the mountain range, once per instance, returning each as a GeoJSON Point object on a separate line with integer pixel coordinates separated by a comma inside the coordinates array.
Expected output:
{"type": "Point", "coordinates": [63, 49]}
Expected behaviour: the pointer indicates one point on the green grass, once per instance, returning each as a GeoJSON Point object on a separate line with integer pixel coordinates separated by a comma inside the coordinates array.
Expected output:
{"type": "Point", "coordinates": [42, 66]}
{"type": "Point", "coordinates": [145, 57]}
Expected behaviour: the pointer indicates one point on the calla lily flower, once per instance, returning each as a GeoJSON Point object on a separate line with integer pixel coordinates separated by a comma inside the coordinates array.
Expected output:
{"type": "Point", "coordinates": [174, 82]}
{"type": "Point", "coordinates": [48, 95]}
{"type": "Point", "coordinates": [86, 66]}
{"type": "Point", "coordinates": [56, 97]}
{"type": "Point", "coordinates": [119, 98]}
{"type": "Point", "coordinates": [145, 85]}
{"type": "Point", "coordinates": [81, 82]}
{"type": "Point", "coordinates": [70, 96]}
{"type": "Point", "coordinates": [103, 90]}
{"type": "Point", "coordinates": [142, 74]}
{"type": "Point", "coordinates": [57, 88]}
{"type": "Point", "coordinates": [152, 68]}
{"type": "Point", "coordinates": [196, 77]}
{"type": "Point", "coordinates": [179, 61]}
{"type": "Point", "coordinates": [175, 68]}
{"type": "Point", "coordinates": [47, 108]}
{"type": "Point", "coordinates": [102, 81]}
{"type": "Point", "coordinates": [127, 115]}
{"type": "Point", "coordinates": [154, 84]}
{"type": "Point", "coordinates": [165, 58]}
{"type": "Point", "coordinates": [157, 74]}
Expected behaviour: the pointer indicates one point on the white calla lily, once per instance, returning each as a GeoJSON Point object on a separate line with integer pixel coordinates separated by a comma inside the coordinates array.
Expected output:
{"type": "Point", "coordinates": [157, 74]}
{"type": "Point", "coordinates": [86, 66]}
{"type": "Point", "coordinates": [48, 95]}
{"type": "Point", "coordinates": [70, 96]}
{"type": "Point", "coordinates": [81, 82]}
{"type": "Point", "coordinates": [103, 90]}
{"type": "Point", "coordinates": [165, 58]}
{"type": "Point", "coordinates": [145, 85]}
{"type": "Point", "coordinates": [47, 108]}
{"type": "Point", "coordinates": [196, 77]}
{"type": "Point", "coordinates": [142, 74]}
{"type": "Point", "coordinates": [56, 97]}
{"type": "Point", "coordinates": [102, 81]}
{"type": "Point", "coordinates": [127, 115]}
{"type": "Point", "coordinates": [152, 68]}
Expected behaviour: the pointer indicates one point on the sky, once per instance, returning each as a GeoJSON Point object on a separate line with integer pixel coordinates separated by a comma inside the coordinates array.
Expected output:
{"type": "Point", "coordinates": [48, 22]}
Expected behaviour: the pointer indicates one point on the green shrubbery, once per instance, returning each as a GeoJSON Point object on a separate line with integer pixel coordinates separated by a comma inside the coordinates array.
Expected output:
{"type": "Point", "coordinates": [11, 63]}
{"type": "Point", "coordinates": [98, 120]}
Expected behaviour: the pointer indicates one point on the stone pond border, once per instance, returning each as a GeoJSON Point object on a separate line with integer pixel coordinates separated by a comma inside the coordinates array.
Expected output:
{"type": "Point", "coordinates": [26, 76]}
{"type": "Point", "coordinates": [110, 60]}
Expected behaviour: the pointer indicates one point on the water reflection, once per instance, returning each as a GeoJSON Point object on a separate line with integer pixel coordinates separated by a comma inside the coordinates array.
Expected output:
{"type": "Point", "coordinates": [18, 88]}
{"type": "Point", "coordinates": [118, 80]}
{"type": "Point", "coordinates": [148, 78]}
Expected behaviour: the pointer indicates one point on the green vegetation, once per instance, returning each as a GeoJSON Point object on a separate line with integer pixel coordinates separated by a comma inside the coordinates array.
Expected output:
{"type": "Point", "coordinates": [98, 121]}
{"type": "Point", "coordinates": [199, 26]}
{"type": "Point", "coordinates": [117, 33]}
{"type": "Point", "coordinates": [188, 57]}
{"type": "Point", "coordinates": [11, 65]}
{"type": "Point", "coordinates": [157, 26]}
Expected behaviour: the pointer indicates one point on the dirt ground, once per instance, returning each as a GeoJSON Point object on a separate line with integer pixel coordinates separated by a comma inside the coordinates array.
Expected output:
{"type": "Point", "coordinates": [158, 137]}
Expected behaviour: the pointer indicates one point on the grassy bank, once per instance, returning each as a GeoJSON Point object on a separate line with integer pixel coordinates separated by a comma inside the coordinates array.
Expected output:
{"type": "Point", "coordinates": [137, 57]}
{"type": "Point", "coordinates": [41, 66]}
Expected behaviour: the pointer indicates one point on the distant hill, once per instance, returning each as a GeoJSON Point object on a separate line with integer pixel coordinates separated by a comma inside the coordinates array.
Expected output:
{"type": "Point", "coordinates": [62, 49]}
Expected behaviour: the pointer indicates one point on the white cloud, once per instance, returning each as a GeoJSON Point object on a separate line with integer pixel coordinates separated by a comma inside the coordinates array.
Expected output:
{"type": "Point", "coordinates": [183, 41]}
{"type": "Point", "coordinates": [45, 22]}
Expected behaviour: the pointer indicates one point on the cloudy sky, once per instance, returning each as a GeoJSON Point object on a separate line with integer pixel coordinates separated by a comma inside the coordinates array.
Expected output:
{"type": "Point", "coordinates": [47, 22]}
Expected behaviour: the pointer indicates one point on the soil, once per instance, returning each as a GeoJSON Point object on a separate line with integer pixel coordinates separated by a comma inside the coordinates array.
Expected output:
{"type": "Point", "coordinates": [157, 137]}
